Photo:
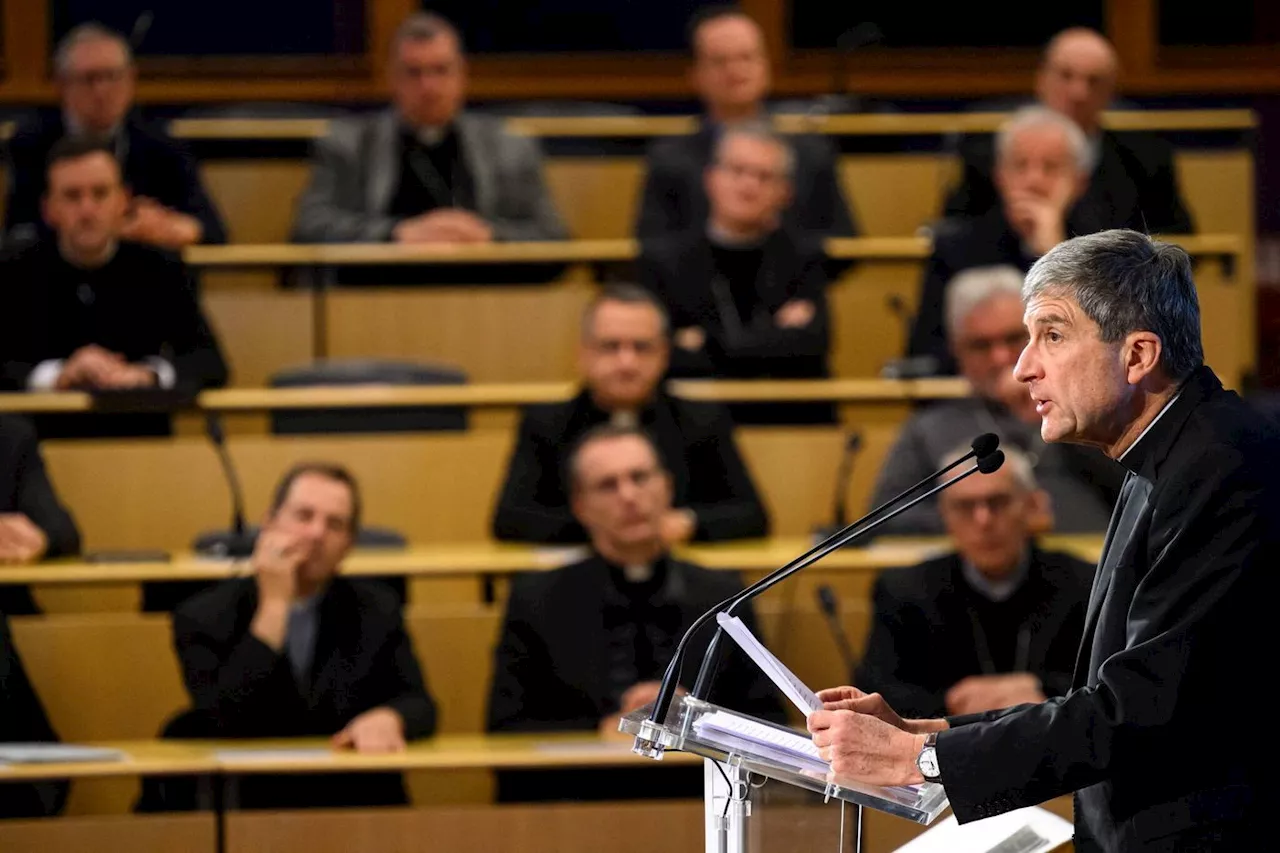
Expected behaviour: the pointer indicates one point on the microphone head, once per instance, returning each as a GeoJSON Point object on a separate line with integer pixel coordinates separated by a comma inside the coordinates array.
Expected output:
{"type": "Point", "coordinates": [985, 445]}
{"type": "Point", "coordinates": [990, 463]}
{"type": "Point", "coordinates": [827, 600]}
{"type": "Point", "coordinates": [853, 442]}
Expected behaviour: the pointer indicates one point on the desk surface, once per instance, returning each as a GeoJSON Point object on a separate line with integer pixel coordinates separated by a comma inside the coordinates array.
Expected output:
{"type": "Point", "coordinates": [568, 251]}
{"type": "Point", "coordinates": [505, 395]}
{"type": "Point", "coordinates": [491, 558]}
{"type": "Point", "coordinates": [313, 755]}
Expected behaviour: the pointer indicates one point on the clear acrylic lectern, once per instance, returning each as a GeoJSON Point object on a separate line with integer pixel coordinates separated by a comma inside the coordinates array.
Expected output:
{"type": "Point", "coordinates": [744, 814]}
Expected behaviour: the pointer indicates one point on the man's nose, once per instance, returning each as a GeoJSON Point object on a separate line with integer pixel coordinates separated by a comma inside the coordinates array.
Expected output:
{"type": "Point", "coordinates": [1027, 366]}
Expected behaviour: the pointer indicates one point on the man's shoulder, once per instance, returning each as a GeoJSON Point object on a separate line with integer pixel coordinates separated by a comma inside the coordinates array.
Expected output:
{"type": "Point", "coordinates": [552, 418]}
{"type": "Point", "coordinates": [963, 239]}
{"type": "Point", "coordinates": [944, 418]}
{"type": "Point", "coordinates": [152, 140]}
{"type": "Point", "coordinates": [35, 135]}
{"type": "Point", "coordinates": [1065, 571]}
{"type": "Point", "coordinates": [537, 589]}
{"type": "Point", "coordinates": [351, 134]}
{"type": "Point", "coordinates": [215, 610]}
{"type": "Point", "coordinates": [707, 585]}
{"type": "Point", "coordinates": [675, 154]}
{"type": "Point", "coordinates": [697, 416]}
{"type": "Point", "coordinates": [675, 250]}
{"type": "Point", "coordinates": [919, 583]}
{"type": "Point", "coordinates": [369, 598]}
{"type": "Point", "coordinates": [1223, 434]}
{"type": "Point", "coordinates": [16, 430]}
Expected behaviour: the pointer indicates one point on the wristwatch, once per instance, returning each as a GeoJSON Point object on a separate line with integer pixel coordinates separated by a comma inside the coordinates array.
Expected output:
{"type": "Point", "coordinates": [927, 760]}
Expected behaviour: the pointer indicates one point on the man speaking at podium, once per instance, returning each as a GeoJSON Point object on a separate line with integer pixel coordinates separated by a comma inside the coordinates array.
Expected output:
{"type": "Point", "coordinates": [1150, 737]}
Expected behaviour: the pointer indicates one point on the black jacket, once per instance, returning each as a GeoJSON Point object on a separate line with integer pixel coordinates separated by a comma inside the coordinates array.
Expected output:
{"type": "Point", "coordinates": [22, 719]}
{"type": "Point", "coordinates": [921, 611]}
{"type": "Point", "coordinates": [241, 688]}
{"type": "Point", "coordinates": [674, 198]}
{"type": "Point", "coordinates": [1134, 185]}
{"type": "Point", "coordinates": [25, 489]}
{"type": "Point", "coordinates": [154, 165]}
{"type": "Point", "coordinates": [696, 443]}
{"type": "Point", "coordinates": [1154, 736]}
{"type": "Point", "coordinates": [681, 270]}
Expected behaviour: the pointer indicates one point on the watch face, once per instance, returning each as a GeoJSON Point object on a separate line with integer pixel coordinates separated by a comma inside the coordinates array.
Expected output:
{"type": "Point", "coordinates": [928, 763]}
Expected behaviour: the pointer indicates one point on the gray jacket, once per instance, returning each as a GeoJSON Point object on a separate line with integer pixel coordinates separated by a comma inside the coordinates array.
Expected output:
{"type": "Point", "coordinates": [1082, 483]}
{"type": "Point", "coordinates": [356, 171]}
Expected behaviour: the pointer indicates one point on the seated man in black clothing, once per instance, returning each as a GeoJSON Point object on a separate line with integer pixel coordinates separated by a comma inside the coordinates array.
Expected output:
{"type": "Point", "coordinates": [300, 651]}
{"type": "Point", "coordinates": [587, 643]}
{"type": "Point", "coordinates": [86, 309]}
{"type": "Point", "coordinates": [1132, 182]}
{"type": "Point", "coordinates": [33, 524]}
{"type": "Point", "coordinates": [95, 75]}
{"type": "Point", "coordinates": [746, 295]}
{"type": "Point", "coordinates": [1041, 169]}
{"type": "Point", "coordinates": [22, 720]}
{"type": "Point", "coordinates": [622, 356]}
{"type": "Point", "coordinates": [996, 623]}
{"type": "Point", "coordinates": [731, 74]}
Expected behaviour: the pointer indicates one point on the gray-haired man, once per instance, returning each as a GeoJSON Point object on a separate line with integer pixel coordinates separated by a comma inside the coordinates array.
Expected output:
{"type": "Point", "coordinates": [1153, 736]}
{"type": "Point", "coordinates": [425, 171]}
{"type": "Point", "coordinates": [984, 318]}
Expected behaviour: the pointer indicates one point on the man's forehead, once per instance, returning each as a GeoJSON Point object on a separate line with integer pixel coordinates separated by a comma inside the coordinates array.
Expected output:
{"type": "Point", "coordinates": [605, 457]}
{"type": "Point", "coordinates": [1051, 308]}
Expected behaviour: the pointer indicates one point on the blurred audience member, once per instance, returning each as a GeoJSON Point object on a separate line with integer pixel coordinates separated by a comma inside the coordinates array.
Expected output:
{"type": "Point", "coordinates": [622, 357]}
{"type": "Point", "coordinates": [746, 294]}
{"type": "Point", "coordinates": [995, 623]}
{"type": "Point", "coordinates": [426, 171]}
{"type": "Point", "coordinates": [1132, 181]}
{"type": "Point", "coordinates": [23, 720]}
{"type": "Point", "coordinates": [984, 316]}
{"type": "Point", "coordinates": [168, 207]}
{"type": "Point", "coordinates": [585, 644]}
{"type": "Point", "coordinates": [1040, 171]}
{"type": "Point", "coordinates": [34, 525]}
{"type": "Point", "coordinates": [87, 309]}
{"type": "Point", "coordinates": [298, 650]}
{"type": "Point", "coordinates": [731, 75]}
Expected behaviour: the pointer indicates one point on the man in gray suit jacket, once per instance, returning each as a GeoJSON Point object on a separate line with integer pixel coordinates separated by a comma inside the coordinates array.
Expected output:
{"type": "Point", "coordinates": [425, 171]}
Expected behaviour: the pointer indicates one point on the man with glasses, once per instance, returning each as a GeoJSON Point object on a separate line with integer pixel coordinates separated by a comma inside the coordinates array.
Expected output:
{"type": "Point", "coordinates": [426, 171]}
{"type": "Point", "coordinates": [1041, 170]}
{"type": "Point", "coordinates": [746, 293]}
{"type": "Point", "coordinates": [622, 356]}
{"type": "Point", "coordinates": [984, 317]}
{"type": "Point", "coordinates": [587, 643]}
{"type": "Point", "coordinates": [95, 76]}
{"type": "Point", "coordinates": [995, 623]}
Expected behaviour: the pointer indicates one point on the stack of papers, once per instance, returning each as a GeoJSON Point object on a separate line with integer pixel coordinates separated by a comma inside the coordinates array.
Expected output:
{"type": "Point", "coordinates": [1029, 830]}
{"type": "Point", "coordinates": [55, 753]}
{"type": "Point", "coordinates": [754, 738]}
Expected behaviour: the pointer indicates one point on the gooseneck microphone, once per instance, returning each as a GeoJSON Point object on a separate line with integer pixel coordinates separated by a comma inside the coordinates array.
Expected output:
{"type": "Point", "coordinates": [236, 542]}
{"type": "Point", "coordinates": [840, 501]}
{"type": "Point", "coordinates": [830, 608]}
{"type": "Point", "coordinates": [989, 459]}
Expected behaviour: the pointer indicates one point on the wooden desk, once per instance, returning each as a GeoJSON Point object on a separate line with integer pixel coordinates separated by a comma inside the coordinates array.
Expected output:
{"type": "Point", "coordinates": [142, 758]}
{"type": "Point", "coordinates": [498, 559]}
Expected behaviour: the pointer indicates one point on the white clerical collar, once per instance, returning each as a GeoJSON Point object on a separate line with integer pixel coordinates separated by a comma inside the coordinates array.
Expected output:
{"type": "Point", "coordinates": [997, 590]}
{"type": "Point", "coordinates": [624, 419]}
{"type": "Point", "coordinates": [1154, 421]}
{"type": "Point", "coordinates": [637, 572]}
{"type": "Point", "coordinates": [719, 237]}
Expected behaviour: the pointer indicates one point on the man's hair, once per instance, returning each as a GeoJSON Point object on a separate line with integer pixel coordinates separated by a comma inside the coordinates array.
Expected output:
{"type": "Point", "coordinates": [81, 33]}
{"type": "Point", "coordinates": [605, 432]}
{"type": "Point", "coordinates": [628, 294]}
{"type": "Point", "coordinates": [1057, 38]}
{"type": "Point", "coordinates": [761, 132]}
{"type": "Point", "coordinates": [1036, 116]}
{"type": "Point", "coordinates": [1015, 459]}
{"type": "Point", "coordinates": [425, 26]}
{"type": "Point", "coordinates": [330, 471]}
{"type": "Point", "coordinates": [706, 15]}
{"type": "Point", "coordinates": [971, 289]}
{"type": "Point", "coordinates": [75, 147]}
{"type": "Point", "coordinates": [1127, 282]}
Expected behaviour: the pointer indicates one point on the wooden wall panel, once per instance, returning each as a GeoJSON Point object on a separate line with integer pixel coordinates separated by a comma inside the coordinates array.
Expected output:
{"type": "Point", "coordinates": [194, 833]}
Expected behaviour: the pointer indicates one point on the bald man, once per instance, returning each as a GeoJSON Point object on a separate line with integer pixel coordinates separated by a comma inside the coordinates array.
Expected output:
{"type": "Point", "coordinates": [1132, 183]}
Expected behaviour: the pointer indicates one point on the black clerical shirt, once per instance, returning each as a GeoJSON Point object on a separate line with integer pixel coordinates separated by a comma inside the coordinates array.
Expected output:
{"type": "Point", "coordinates": [431, 176]}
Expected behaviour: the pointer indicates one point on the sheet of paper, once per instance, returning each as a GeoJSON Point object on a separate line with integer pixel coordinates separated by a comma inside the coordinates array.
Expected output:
{"type": "Point", "coordinates": [55, 753]}
{"type": "Point", "coordinates": [792, 687]}
{"type": "Point", "coordinates": [1029, 830]}
{"type": "Point", "coordinates": [276, 754]}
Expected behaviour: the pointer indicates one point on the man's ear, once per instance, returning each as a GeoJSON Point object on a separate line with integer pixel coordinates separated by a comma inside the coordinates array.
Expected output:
{"type": "Point", "coordinates": [1142, 351]}
{"type": "Point", "coordinates": [1041, 511]}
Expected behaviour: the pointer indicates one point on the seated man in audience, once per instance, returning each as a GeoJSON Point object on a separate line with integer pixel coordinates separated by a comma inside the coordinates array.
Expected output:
{"type": "Point", "coordinates": [95, 75]}
{"type": "Point", "coordinates": [1041, 169]}
{"type": "Point", "coordinates": [297, 650]}
{"type": "Point", "coordinates": [746, 294]}
{"type": "Point", "coordinates": [996, 623]}
{"type": "Point", "coordinates": [587, 643]}
{"type": "Point", "coordinates": [22, 720]}
{"type": "Point", "coordinates": [1132, 181]}
{"type": "Point", "coordinates": [731, 74]}
{"type": "Point", "coordinates": [622, 357]}
{"type": "Point", "coordinates": [86, 309]}
{"type": "Point", "coordinates": [33, 524]}
{"type": "Point", "coordinates": [984, 315]}
{"type": "Point", "coordinates": [426, 171]}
